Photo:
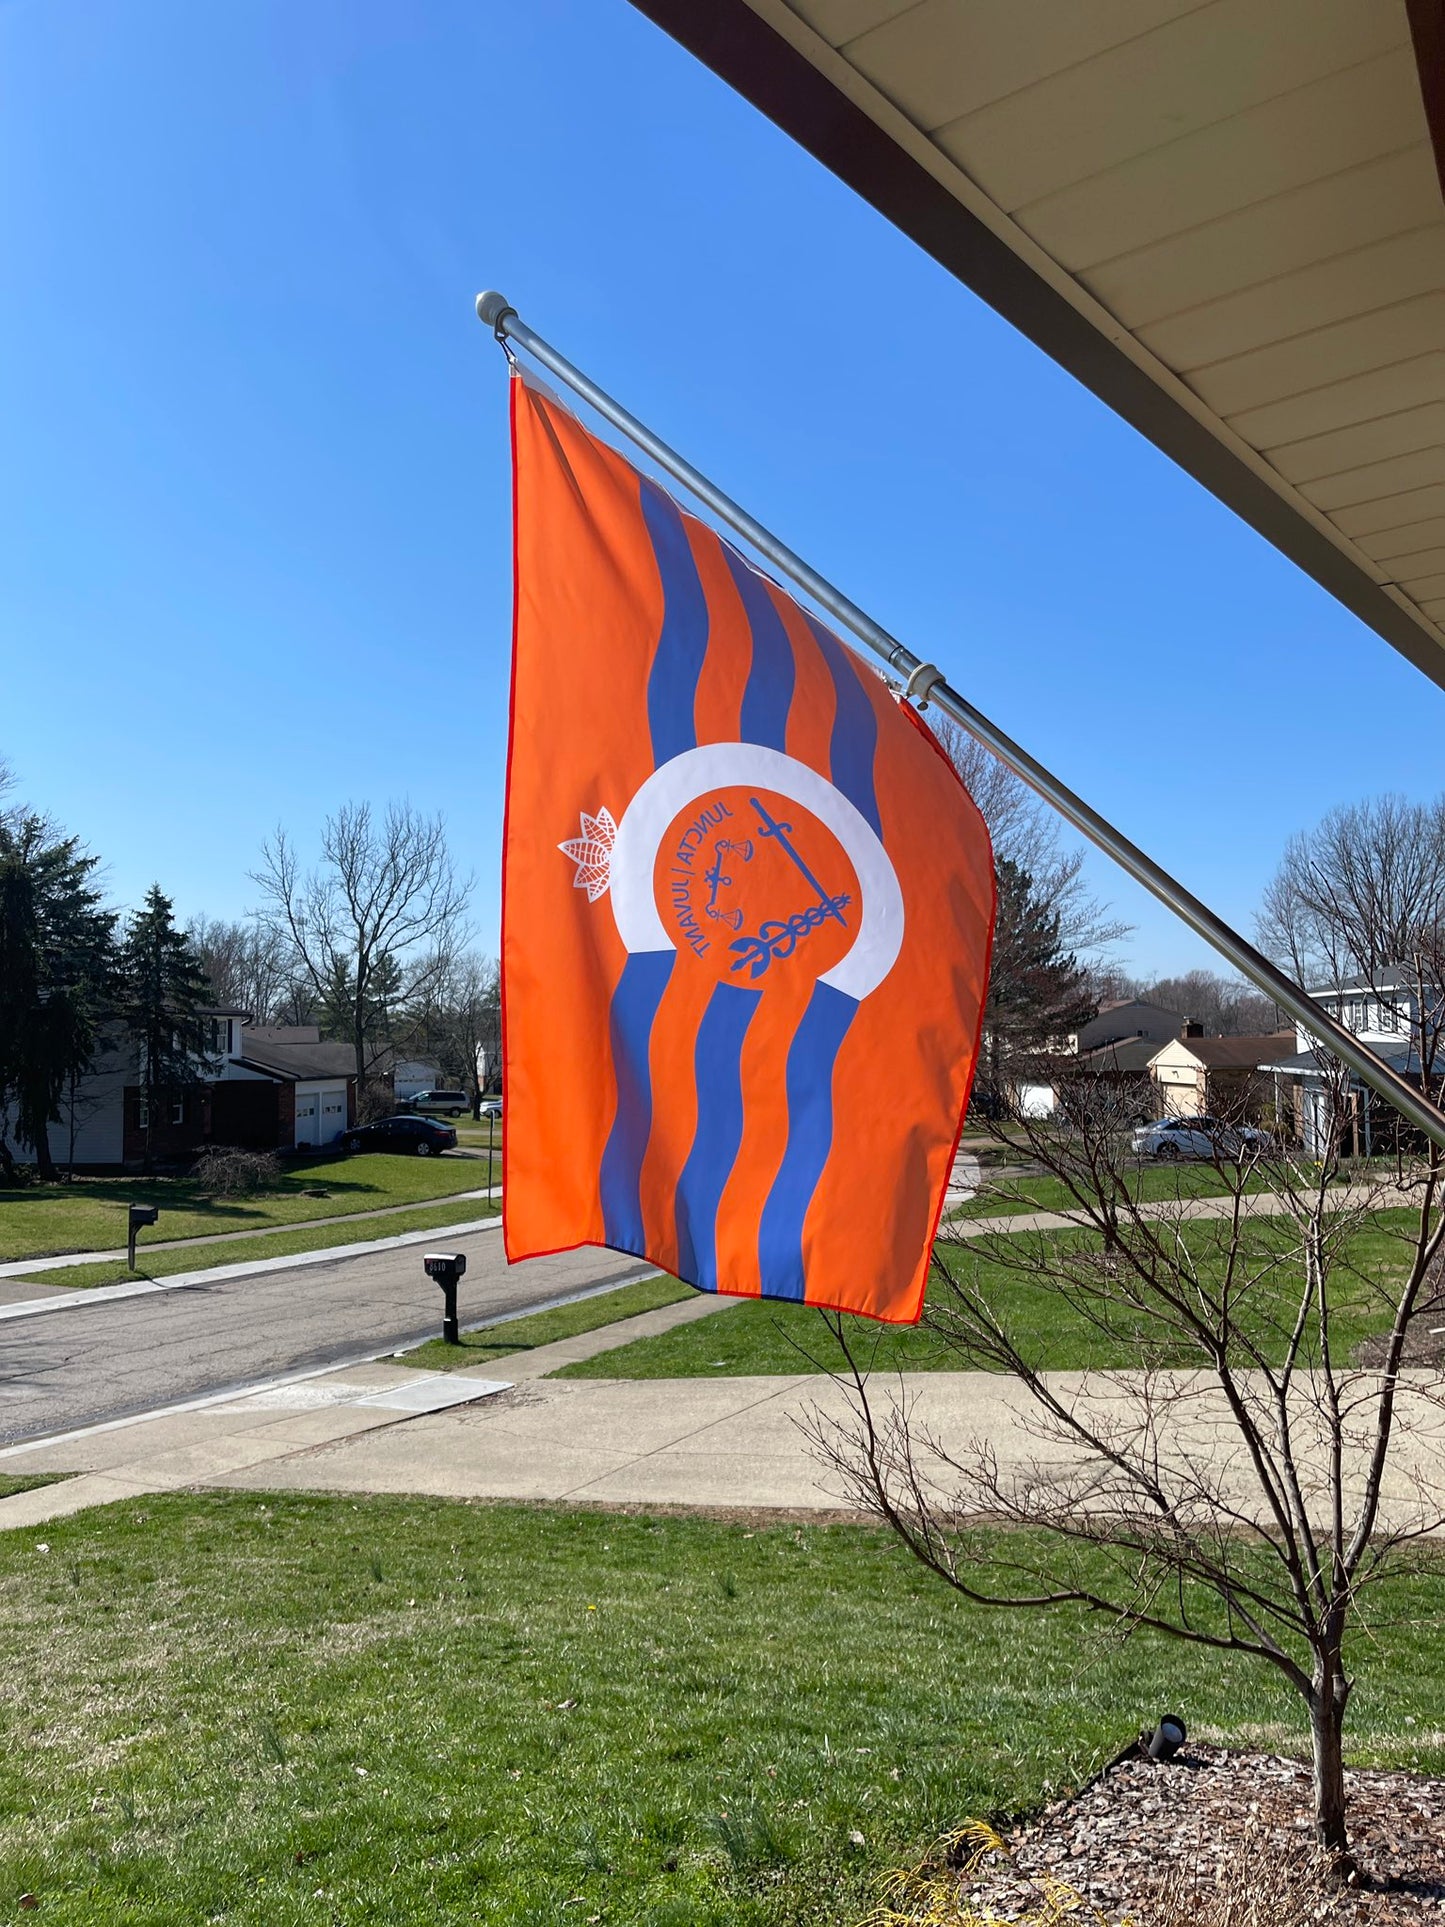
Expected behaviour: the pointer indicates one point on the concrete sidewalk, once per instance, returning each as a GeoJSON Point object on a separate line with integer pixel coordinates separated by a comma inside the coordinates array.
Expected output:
{"type": "Point", "coordinates": [726, 1443]}
{"type": "Point", "coordinates": [203, 1440]}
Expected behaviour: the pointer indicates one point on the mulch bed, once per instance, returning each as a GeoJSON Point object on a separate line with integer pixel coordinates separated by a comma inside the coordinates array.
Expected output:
{"type": "Point", "coordinates": [1213, 1819]}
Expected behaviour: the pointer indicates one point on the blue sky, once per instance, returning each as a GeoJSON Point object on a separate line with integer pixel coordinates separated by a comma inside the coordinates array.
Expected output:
{"type": "Point", "coordinates": [253, 511]}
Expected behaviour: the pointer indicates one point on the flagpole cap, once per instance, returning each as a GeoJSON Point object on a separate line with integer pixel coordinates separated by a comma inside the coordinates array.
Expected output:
{"type": "Point", "coordinates": [493, 309]}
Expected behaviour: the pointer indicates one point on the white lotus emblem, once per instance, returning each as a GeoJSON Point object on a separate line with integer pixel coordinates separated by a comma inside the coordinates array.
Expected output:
{"type": "Point", "coordinates": [592, 853]}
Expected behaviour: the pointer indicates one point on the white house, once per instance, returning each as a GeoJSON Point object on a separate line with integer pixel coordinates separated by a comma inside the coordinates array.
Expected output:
{"type": "Point", "coordinates": [1383, 1012]}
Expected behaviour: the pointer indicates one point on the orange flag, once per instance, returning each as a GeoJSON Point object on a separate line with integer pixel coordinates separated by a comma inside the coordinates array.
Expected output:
{"type": "Point", "coordinates": [747, 908]}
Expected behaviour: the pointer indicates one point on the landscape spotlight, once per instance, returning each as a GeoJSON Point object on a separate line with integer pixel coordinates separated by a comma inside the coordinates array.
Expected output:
{"type": "Point", "coordinates": [1167, 1738]}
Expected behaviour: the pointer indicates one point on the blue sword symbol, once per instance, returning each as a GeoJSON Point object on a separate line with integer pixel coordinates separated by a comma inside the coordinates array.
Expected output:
{"type": "Point", "coordinates": [781, 832]}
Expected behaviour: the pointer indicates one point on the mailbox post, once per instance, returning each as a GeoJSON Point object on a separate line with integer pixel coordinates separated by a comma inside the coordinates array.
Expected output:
{"type": "Point", "coordinates": [138, 1215]}
{"type": "Point", "coordinates": [446, 1267]}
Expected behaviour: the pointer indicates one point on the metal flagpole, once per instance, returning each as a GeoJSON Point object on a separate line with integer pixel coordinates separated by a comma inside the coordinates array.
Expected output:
{"type": "Point", "coordinates": [922, 681]}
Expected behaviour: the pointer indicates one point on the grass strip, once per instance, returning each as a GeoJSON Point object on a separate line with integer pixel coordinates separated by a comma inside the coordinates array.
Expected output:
{"type": "Point", "coordinates": [1152, 1184]}
{"type": "Point", "coordinates": [305, 1709]}
{"type": "Point", "coordinates": [90, 1213]}
{"type": "Point", "coordinates": [769, 1339]}
{"type": "Point", "coordinates": [546, 1327]}
{"type": "Point", "coordinates": [13, 1482]}
{"type": "Point", "coordinates": [166, 1264]}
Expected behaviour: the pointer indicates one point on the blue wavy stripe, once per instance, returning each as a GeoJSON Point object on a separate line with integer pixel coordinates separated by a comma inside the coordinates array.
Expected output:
{"type": "Point", "coordinates": [855, 729]}
{"type": "Point", "coordinates": [718, 1062]}
{"type": "Point", "coordinates": [634, 1007]}
{"type": "Point", "coordinates": [769, 691]}
{"type": "Point", "coordinates": [811, 1057]}
{"type": "Point", "coordinates": [682, 642]}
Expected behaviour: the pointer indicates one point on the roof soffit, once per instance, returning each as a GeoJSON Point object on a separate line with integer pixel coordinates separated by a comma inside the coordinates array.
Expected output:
{"type": "Point", "coordinates": [1256, 245]}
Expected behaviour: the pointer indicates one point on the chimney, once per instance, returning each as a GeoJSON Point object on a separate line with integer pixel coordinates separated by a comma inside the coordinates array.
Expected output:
{"type": "Point", "coordinates": [1192, 1029]}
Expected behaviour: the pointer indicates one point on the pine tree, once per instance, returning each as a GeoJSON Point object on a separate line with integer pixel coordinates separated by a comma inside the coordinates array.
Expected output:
{"type": "Point", "coordinates": [1037, 992]}
{"type": "Point", "coordinates": [163, 990]}
{"type": "Point", "coordinates": [57, 966]}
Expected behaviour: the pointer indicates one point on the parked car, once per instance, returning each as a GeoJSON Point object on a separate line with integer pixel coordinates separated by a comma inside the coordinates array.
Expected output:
{"type": "Point", "coordinates": [1199, 1137]}
{"type": "Point", "coordinates": [450, 1103]}
{"type": "Point", "coordinates": [490, 1107]}
{"type": "Point", "coordinates": [421, 1137]}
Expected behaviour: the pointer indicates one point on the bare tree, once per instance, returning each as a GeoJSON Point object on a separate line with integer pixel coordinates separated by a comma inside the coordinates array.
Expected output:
{"type": "Point", "coordinates": [457, 1019]}
{"type": "Point", "coordinates": [1362, 891]}
{"type": "Point", "coordinates": [373, 923]}
{"type": "Point", "coordinates": [1025, 832]}
{"type": "Point", "coordinates": [1226, 1006]}
{"type": "Point", "coordinates": [251, 967]}
{"type": "Point", "coordinates": [1246, 1481]}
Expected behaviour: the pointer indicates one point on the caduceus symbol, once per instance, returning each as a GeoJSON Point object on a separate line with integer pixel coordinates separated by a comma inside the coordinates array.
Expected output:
{"type": "Point", "coordinates": [716, 879]}
{"type": "Point", "coordinates": [779, 937]}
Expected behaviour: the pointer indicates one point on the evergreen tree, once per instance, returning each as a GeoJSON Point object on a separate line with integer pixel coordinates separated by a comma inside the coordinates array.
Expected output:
{"type": "Point", "coordinates": [163, 990]}
{"type": "Point", "coordinates": [56, 971]}
{"type": "Point", "coordinates": [1037, 991]}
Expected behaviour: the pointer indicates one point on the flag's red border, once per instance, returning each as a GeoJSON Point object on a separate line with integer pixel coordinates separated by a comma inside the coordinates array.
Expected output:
{"type": "Point", "coordinates": [939, 750]}
{"type": "Point", "coordinates": [514, 389]}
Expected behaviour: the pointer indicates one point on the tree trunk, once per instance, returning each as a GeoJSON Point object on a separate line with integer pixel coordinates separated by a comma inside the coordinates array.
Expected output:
{"type": "Point", "coordinates": [358, 1040]}
{"type": "Point", "coordinates": [1327, 1718]}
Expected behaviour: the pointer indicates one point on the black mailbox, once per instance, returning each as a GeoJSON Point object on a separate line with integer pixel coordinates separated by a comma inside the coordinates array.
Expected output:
{"type": "Point", "coordinates": [138, 1216]}
{"type": "Point", "coordinates": [447, 1267]}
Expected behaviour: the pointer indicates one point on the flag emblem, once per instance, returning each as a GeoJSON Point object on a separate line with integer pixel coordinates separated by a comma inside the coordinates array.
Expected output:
{"type": "Point", "coordinates": [592, 853]}
{"type": "Point", "coordinates": [740, 1030]}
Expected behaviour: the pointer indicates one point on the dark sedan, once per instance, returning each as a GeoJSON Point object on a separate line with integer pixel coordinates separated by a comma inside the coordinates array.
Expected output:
{"type": "Point", "coordinates": [420, 1137]}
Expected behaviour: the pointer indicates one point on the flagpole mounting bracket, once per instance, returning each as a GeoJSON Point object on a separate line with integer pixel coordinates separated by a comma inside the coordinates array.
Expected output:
{"type": "Point", "coordinates": [493, 310]}
{"type": "Point", "coordinates": [920, 684]}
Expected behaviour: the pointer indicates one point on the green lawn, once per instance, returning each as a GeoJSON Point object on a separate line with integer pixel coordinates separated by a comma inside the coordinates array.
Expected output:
{"type": "Point", "coordinates": [770, 1339]}
{"type": "Point", "coordinates": [13, 1482]}
{"type": "Point", "coordinates": [165, 1264]}
{"type": "Point", "coordinates": [1154, 1183]}
{"type": "Point", "coordinates": [277, 1712]}
{"type": "Point", "coordinates": [546, 1327]}
{"type": "Point", "coordinates": [90, 1214]}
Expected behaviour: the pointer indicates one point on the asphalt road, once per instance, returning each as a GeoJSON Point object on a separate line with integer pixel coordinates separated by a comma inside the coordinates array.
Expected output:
{"type": "Point", "coordinates": [85, 1364]}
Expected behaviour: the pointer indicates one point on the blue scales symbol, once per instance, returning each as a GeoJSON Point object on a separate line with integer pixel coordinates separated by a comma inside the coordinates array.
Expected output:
{"type": "Point", "coordinates": [779, 938]}
{"type": "Point", "coordinates": [716, 879]}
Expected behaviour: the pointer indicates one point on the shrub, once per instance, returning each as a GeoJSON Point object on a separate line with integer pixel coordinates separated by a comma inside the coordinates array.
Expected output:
{"type": "Point", "coordinates": [229, 1172]}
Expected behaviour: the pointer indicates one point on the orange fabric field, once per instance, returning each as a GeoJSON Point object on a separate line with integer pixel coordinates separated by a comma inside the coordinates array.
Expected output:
{"type": "Point", "coordinates": [747, 908]}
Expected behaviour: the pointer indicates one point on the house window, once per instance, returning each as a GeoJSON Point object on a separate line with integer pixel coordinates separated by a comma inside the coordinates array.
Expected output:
{"type": "Point", "coordinates": [217, 1036]}
{"type": "Point", "coordinates": [142, 1115]}
{"type": "Point", "coordinates": [178, 1110]}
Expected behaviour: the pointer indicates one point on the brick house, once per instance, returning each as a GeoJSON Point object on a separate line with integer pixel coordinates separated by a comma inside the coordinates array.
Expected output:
{"type": "Point", "coordinates": [266, 1088]}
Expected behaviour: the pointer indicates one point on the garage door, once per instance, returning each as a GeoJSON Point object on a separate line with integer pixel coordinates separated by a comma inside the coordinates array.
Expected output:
{"type": "Point", "coordinates": [308, 1117]}
{"type": "Point", "coordinates": [333, 1115]}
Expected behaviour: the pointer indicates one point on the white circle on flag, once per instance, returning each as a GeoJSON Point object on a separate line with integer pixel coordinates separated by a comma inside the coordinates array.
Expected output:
{"type": "Point", "coordinates": [669, 790]}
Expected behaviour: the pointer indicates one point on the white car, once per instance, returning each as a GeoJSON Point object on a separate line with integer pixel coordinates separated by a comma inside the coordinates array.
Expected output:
{"type": "Point", "coordinates": [1199, 1137]}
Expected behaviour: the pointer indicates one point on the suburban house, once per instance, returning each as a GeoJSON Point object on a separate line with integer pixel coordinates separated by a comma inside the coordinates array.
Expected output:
{"type": "Point", "coordinates": [264, 1087]}
{"type": "Point", "coordinates": [1117, 1043]}
{"type": "Point", "coordinates": [412, 1074]}
{"type": "Point", "coordinates": [1383, 1012]}
{"type": "Point", "coordinates": [1125, 1020]}
{"type": "Point", "coordinates": [1195, 1075]}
